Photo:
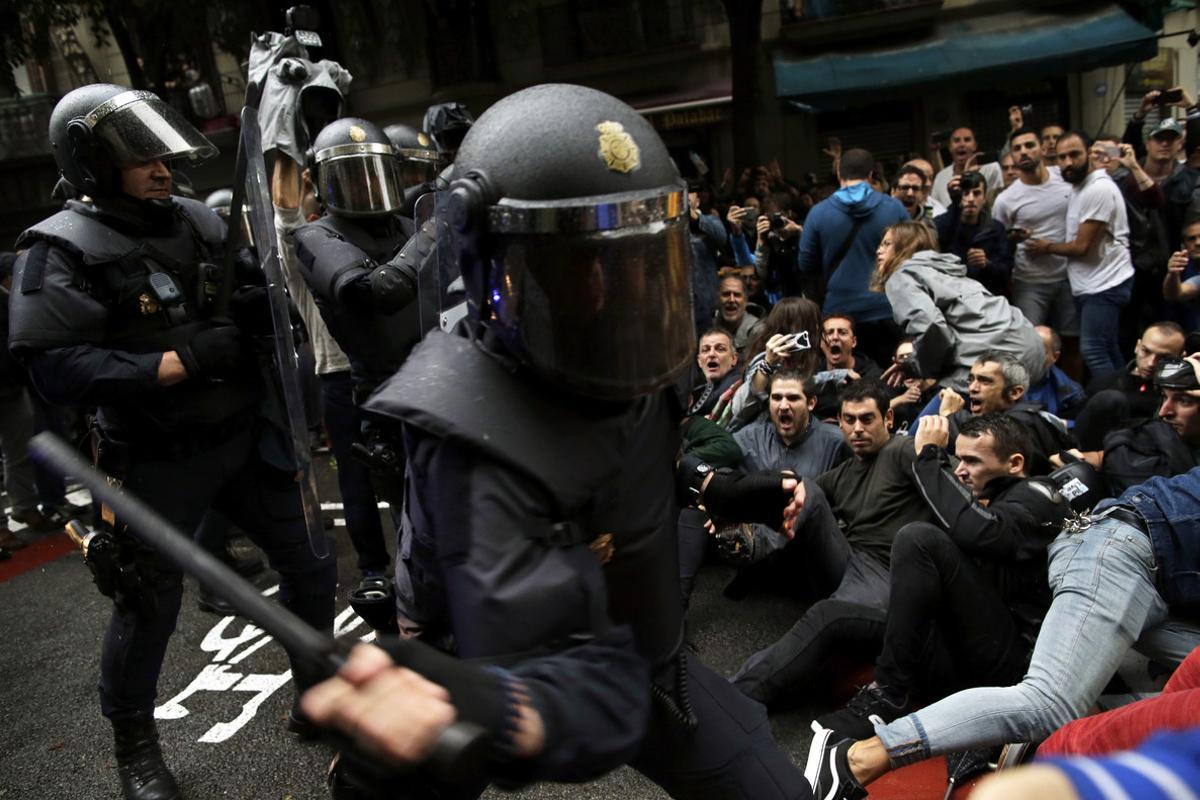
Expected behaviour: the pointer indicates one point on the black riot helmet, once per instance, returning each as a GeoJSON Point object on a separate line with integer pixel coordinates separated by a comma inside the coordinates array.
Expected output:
{"type": "Point", "coordinates": [96, 129]}
{"type": "Point", "coordinates": [220, 202]}
{"type": "Point", "coordinates": [447, 124]}
{"type": "Point", "coordinates": [357, 174]}
{"type": "Point", "coordinates": [417, 153]}
{"type": "Point", "coordinates": [569, 224]}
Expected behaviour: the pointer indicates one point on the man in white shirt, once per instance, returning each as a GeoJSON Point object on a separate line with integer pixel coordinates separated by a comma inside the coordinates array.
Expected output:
{"type": "Point", "coordinates": [1097, 251]}
{"type": "Point", "coordinates": [964, 152]}
{"type": "Point", "coordinates": [1035, 206]}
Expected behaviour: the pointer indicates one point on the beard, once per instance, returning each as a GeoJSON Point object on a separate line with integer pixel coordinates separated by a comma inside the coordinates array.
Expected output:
{"type": "Point", "coordinates": [1075, 174]}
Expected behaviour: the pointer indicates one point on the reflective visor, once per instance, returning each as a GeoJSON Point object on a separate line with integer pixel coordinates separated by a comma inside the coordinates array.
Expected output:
{"type": "Point", "coordinates": [138, 127]}
{"type": "Point", "coordinates": [607, 312]}
{"type": "Point", "coordinates": [1181, 374]}
{"type": "Point", "coordinates": [417, 166]}
{"type": "Point", "coordinates": [364, 181]}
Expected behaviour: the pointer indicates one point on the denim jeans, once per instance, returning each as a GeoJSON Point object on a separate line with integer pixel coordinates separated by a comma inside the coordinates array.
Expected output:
{"type": "Point", "coordinates": [1104, 598]}
{"type": "Point", "coordinates": [1099, 326]}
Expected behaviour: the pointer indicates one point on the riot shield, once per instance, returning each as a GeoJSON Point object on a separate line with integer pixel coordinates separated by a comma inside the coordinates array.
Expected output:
{"type": "Point", "coordinates": [251, 179]}
{"type": "Point", "coordinates": [452, 295]}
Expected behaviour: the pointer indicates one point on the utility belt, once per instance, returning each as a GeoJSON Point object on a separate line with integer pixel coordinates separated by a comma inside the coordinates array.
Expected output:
{"type": "Point", "coordinates": [128, 444]}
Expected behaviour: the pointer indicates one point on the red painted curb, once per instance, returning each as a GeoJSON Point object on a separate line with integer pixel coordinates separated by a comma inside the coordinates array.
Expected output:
{"type": "Point", "coordinates": [35, 555]}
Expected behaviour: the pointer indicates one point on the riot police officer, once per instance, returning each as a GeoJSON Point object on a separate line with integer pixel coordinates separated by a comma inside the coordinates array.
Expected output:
{"type": "Point", "coordinates": [364, 301]}
{"type": "Point", "coordinates": [541, 439]}
{"type": "Point", "coordinates": [113, 307]}
{"type": "Point", "coordinates": [419, 161]}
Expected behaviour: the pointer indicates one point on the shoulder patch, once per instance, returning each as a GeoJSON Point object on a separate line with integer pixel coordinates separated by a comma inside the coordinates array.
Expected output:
{"type": "Point", "coordinates": [34, 270]}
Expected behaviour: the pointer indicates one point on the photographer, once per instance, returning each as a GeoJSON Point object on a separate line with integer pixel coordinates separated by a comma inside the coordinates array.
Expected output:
{"type": "Point", "coordinates": [968, 231]}
{"type": "Point", "coordinates": [966, 157]}
{"type": "Point", "coordinates": [778, 240]}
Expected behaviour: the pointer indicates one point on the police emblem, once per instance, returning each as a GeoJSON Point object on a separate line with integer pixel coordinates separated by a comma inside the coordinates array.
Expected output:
{"type": "Point", "coordinates": [617, 148]}
{"type": "Point", "coordinates": [357, 134]}
{"type": "Point", "coordinates": [147, 305]}
{"type": "Point", "coordinates": [422, 139]}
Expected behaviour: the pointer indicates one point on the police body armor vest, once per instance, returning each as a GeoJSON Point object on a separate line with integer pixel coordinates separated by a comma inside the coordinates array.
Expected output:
{"type": "Point", "coordinates": [332, 249]}
{"type": "Point", "coordinates": [610, 478]}
{"type": "Point", "coordinates": [126, 273]}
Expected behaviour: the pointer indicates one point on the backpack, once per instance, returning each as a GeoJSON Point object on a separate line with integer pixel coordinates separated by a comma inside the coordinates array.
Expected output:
{"type": "Point", "coordinates": [1132, 455]}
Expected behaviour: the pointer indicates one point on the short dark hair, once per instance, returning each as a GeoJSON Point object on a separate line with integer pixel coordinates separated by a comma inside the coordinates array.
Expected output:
{"type": "Point", "coordinates": [909, 169]}
{"type": "Point", "coordinates": [1008, 435]}
{"type": "Point", "coordinates": [970, 180]}
{"type": "Point", "coordinates": [856, 165]}
{"type": "Point", "coordinates": [733, 274]}
{"type": "Point", "coordinates": [838, 315]}
{"type": "Point", "coordinates": [809, 381]}
{"type": "Point", "coordinates": [865, 389]}
{"type": "Point", "coordinates": [1024, 131]}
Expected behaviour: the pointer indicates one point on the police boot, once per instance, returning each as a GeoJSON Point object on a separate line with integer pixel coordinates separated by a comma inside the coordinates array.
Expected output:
{"type": "Point", "coordinates": [144, 776]}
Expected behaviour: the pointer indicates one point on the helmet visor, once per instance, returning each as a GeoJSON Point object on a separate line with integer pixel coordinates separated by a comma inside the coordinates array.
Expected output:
{"type": "Point", "coordinates": [1181, 374]}
{"type": "Point", "coordinates": [138, 127]}
{"type": "Point", "coordinates": [361, 184]}
{"type": "Point", "coordinates": [607, 312]}
{"type": "Point", "coordinates": [418, 166]}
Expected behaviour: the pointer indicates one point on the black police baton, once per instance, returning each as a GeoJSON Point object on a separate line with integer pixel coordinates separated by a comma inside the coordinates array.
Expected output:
{"type": "Point", "coordinates": [461, 750]}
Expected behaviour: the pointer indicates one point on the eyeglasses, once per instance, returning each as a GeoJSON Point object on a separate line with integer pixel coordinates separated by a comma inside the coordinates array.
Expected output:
{"type": "Point", "coordinates": [902, 188]}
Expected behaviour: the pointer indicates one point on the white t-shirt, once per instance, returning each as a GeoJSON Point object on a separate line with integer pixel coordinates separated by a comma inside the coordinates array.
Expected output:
{"type": "Point", "coordinates": [1040, 209]}
{"type": "Point", "coordinates": [941, 182]}
{"type": "Point", "coordinates": [1099, 199]}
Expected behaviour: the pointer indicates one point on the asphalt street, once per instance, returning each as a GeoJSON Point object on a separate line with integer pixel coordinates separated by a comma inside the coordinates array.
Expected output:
{"type": "Point", "coordinates": [225, 689]}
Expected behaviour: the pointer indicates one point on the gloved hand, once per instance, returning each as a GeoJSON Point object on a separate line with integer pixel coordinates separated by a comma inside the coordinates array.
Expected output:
{"type": "Point", "coordinates": [392, 288]}
{"type": "Point", "coordinates": [756, 497]}
{"type": "Point", "coordinates": [251, 309]}
{"type": "Point", "coordinates": [214, 352]}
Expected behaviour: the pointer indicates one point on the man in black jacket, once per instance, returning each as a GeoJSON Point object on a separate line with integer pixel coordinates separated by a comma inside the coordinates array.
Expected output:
{"type": "Point", "coordinates": [970, 589]}
{"type": "Point", "coordinates": [968, 231]}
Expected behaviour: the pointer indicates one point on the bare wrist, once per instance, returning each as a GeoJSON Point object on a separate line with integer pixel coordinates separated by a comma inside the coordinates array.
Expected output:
{"type": "Point", "coordinates": [171, 369]}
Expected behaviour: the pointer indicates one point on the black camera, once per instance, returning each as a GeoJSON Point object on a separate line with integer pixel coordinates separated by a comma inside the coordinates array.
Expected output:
{"type": "Point", "coordinates": [777, 221]}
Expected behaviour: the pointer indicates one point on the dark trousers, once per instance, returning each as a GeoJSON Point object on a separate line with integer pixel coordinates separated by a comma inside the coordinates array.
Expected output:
{"type": "Point", "coordinates": [264, 503]}
{"type": "Point", "coordinates": [940, 600]}
{"type": "Point", "coordinates": [343, 422]}
{"type": "Point", "coordinates": [850, 591]}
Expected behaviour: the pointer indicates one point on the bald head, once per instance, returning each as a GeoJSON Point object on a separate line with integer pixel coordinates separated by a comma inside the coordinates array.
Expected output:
{"type": "Point", "coordinates": [922, 165]}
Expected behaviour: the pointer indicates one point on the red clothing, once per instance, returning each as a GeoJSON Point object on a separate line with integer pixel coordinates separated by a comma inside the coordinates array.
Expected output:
{"type": "Point", "coordinates": [1125, 728]}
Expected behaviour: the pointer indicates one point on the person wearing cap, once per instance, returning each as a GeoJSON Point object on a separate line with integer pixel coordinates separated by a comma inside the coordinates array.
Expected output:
{"type": "Point", "coordinates": [114, 306]}
{"type": "Point", "coordinates": [1116, 576]}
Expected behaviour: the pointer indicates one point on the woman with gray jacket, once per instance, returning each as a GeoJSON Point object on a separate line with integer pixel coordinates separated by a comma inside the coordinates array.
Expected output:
{"type": "Point", "coordinates": [953, 318]}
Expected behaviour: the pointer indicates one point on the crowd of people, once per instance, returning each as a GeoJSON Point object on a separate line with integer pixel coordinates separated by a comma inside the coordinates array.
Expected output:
{"type": "Point", "coordinates": [954, 410]}
{"type": "Point", "coordinates": [1003, 343]}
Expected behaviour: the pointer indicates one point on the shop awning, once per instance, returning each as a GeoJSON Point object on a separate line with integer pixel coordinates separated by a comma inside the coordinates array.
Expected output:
{"type": "Point", "coordinates": [987, 50]}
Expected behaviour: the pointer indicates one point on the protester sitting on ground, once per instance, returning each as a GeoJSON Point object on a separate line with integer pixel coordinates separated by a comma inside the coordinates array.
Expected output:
{"type": "Point", "coordinates": [716, 357]}
{"type": "Point", "coordinates": [734, 314]}
{"type": "Point", "coordinates": [1129, 394]}
{"type": "Point", "coordinates": [968, 231]}
{"type": "Point", "coordinates": [1115, 576]}
{"type": "Point", "coordinates": [787, 338]}
{"type": "Point", "coordinates": [969, 591]}
{"type": "Point", "coordinates": [843, 572]}
{"type": "Point", "coordinates": [788, 438]}
{"type": "Point", "coordinates": [997, 385]}
{"type": "Point", "coordinates": [1127, 726]}
{"type": "Point", "coordinates": [843, 362]}
{"type": "Point", "coordinates": [930, 290]}
{"type": "Point", "coordinates": [913, 394]}
{"type": "Point", "coordinates": [1055, 392]}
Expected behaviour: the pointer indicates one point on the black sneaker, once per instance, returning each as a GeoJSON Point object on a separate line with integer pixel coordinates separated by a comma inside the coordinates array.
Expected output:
{"type": "Point", "coordinates": [870, 707]}
{"type": "Point", "coordinates": [827, 770]}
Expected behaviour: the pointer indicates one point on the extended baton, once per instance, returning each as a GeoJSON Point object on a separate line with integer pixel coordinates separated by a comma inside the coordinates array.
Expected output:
{"type": "Point", "coordinates": [460, 751]}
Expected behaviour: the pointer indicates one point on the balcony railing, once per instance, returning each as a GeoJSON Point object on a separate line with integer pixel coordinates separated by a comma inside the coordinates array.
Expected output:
{"type": "Point", "coordinates": [23, 125]}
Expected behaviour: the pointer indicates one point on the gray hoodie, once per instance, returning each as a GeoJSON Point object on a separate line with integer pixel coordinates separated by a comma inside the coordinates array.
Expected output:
{"type": "Point", "coordinates": [932, 289]}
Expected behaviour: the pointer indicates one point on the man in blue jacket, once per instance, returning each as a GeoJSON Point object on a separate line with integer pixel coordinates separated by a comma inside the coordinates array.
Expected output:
{"type": "Point", "coordinates": [839, 240]}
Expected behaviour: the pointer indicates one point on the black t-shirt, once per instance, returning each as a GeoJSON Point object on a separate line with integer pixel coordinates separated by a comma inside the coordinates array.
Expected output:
{"type": "Point", "coordinates": [875, 496]}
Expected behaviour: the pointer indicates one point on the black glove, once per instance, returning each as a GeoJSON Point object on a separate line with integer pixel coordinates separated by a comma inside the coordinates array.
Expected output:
{"type": "Point", "coordinates": [392, 288]}
{"type": "Point", "coordinates": [738, 497]}
{"type": "Point", "coordinates": [251, 309]}
{"type": "Point", "coordinates": [214, 352]}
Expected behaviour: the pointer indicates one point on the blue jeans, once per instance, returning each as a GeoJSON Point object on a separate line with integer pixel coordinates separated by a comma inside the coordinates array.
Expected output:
{"type": "Point", "coordinates": [1104, 598]}
{"type": "Point", "coordinates": [1099, 324]}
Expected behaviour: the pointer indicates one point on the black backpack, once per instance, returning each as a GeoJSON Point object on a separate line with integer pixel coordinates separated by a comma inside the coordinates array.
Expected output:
{"type": "Point", "coordinates": [1132, 455]}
